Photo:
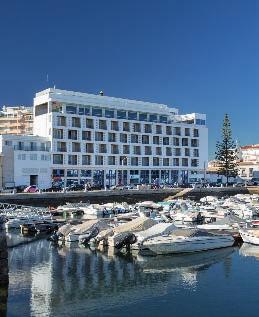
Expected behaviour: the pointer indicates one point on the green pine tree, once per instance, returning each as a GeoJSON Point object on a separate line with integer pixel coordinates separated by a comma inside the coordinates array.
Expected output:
{"type": "Point", "coordinates": [226, 152]}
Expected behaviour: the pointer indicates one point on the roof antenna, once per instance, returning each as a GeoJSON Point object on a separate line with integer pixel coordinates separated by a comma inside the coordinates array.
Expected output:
{"type": "Point", "coordinates": [101, 93]}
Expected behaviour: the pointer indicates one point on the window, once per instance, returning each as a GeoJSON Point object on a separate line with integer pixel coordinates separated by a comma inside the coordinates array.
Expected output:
{"type": "Point", "coordinates": [185, 142]}
{"type": "Point", "coordinates": [97, 112]}
{"type": "Point", "coordinates": [187, 131]}
{"type": "Point", "coordinates": [57, 158]}
{"type": "Point", "coordinates": [134, 138]}
{"type": "Point", "coordinates": [81, 111]}
{"type": "Point", "coordinates": [121, 114]}
{"type": "Point", "coordinates": [86, 160]}
{"type": "Point", "coordinates": [99, 136]}
{"type": "Point", "coordinates": [168, 151]}
{"type": "Point", "coordinates": [196, 133]}
{"type": "Point", "coordinates": [187, 152]}
{"type": "Point", "coordinates": [123, 160]}
{"type": "Point", "coordinates": [137, 150]}
{"type": "Point", "coordinates": [158, 151]}
{"type": "Point", "coordinates": [114, 149]}
{"type": "Point", "coordinates": [177, 131]}
{"type": "Point", "coordinates": [115, 125]}
{"type": "Point", "coordinates": [158, 129]}
{"type": "Point", "coordinates": [98, 160]}
{"type": "Point", "coordinates": [126, 126]}
{"type": "Point", "coordinates": [194, 163]}
{"type": "Point", "coordinates": [72, 173]}
{"type": "Point", "coordinates": [86, 173]}
{"type": "Point", "coordinates": [185, 162]}
{"type": "Point", "coordinates": [89, 148]}
{"type": "Point", "coordinates": [132, 115]}
{"type": "Point", "coordinates": [111, 137]}
{"type": "Point", "coordinates": [76, 122]}
{"type": "Point", "coordinates": [166, 140]}
{"type": "Point", "coordinates": [163, 119]}
{"type": "Point", "coordinates": [136, 127]}
{"type": "Point", "coordinates": [148, 128]}
{"type": "Point", "coordinates": [155, 161]}
{"type": "Point", "coordinates": [177, 152]}
{"type": "Point", "coordinates": [143, 117]}
{"type": "Point", "coordinates": [123, 138]}
{"type": "Point", "coordinates": [145, 139]}
{"type": "Point", "coordinates": [61, 146]}
{"type": "Point", "coordinates": [61, 121]}
{"type": "Point", "coordinates": [71, 109]}
{"type": "Point", "coordinates": [134, 161]}
{"type": "Point", "coordinates": [196, 152]}
{"type": "Point", "coordinates": [86, 135]}
{"type": "Point", "coordinates": [33, 157]}
{"type": "Point", "coordinates": [200, 122]}
{"type": "Point", "coordinates": [87, 111]}
{"type": "Point", "coordinates": [89, 123]}
{"type": "Point", "coordinates": [145, 161]}
{"type": "Point", "coordinates": [102, 148]}
{"type": "Point", "coordinates": [165, 161]}
{"type": "Point", "coordinates": [176, 161]}
{"type": "Point", "coordinates": [76, 147]}
{"type": "Point", "coordinates": [126, 149]}
{"type": "Point", "coordinates": [153, 117]}
{"type": "Point", "coordinates": [60, 173]}
{"type": "Point", "coordinates": [109, 113]}
{"type": "Point", "coordinates": [57, 134]}
{"type": "Point", "coordinates": [148, 150]}
{"type": "Point", "coordinates": [176, 141]}
{"type": "Point", "coordinates": [111, 160]}
{"type": "Point", "coordinates": [8, 143]}
{"type": "Point", "coordinates": [155, 139]}
{"type": "Point", "coordinates": [194, 142]}
{"type": "Point", "coordinates": [72, 159]}
{"type": "Point", "coordinates": [102, 124]}
{"type": "Point", "coordinates": [72, 134]}
{"type": "Point", "coordinates": [168, 130]}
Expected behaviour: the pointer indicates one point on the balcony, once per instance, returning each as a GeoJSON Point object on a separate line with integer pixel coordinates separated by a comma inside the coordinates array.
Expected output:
{"type": "Point", "coordinates": [28, 148]}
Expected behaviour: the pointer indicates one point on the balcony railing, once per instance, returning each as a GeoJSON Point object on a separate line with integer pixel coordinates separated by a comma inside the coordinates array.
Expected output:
{"type": "Point", "coordinates": [28, 148]}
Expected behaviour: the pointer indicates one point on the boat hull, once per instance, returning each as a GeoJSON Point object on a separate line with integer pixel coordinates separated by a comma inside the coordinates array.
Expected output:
{"type": "Point", "coordinates": [248, 237]}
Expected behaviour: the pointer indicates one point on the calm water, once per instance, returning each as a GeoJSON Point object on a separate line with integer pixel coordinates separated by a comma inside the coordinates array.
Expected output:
{"type": "Point", "coordinates": [46, 280]}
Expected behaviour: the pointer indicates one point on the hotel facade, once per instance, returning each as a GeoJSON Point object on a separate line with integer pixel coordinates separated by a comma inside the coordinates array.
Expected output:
{"type": "Point", "coordinates": [107, 141]}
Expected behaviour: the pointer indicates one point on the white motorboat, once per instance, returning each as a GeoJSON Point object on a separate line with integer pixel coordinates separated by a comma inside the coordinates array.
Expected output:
{"type": "Point", "coordinates": [185, 241]}
{"type": "Point", "coordinates": [228, 223]}
{"type": "Point", "coordinates": [250, 235]}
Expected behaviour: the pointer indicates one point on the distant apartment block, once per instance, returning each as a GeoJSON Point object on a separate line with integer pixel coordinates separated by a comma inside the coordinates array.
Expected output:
{"type": "Point", "coordinates": [16, 120]}
{"type": "Point", "coordinates": [106, 140]}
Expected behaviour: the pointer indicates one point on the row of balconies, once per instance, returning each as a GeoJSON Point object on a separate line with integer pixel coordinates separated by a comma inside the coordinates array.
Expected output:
{"type": "Point", "coordinates": [90, 123]}
{"type": "Point", "coordinates": [123, 161]}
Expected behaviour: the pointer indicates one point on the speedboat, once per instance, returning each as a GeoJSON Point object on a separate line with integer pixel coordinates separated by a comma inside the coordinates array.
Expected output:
{"type": "Point", "coordinates": [187, 240]}
{"type": "Point", "coordinates": [250, 235]}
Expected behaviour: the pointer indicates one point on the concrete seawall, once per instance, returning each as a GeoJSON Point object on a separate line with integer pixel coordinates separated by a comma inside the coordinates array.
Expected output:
{"type": "Point", "coordinates": [4, 279]}
{"type": "Point", "coordinates": [131, 196]}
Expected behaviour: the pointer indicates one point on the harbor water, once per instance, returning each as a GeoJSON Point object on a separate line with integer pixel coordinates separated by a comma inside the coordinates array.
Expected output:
{"type": "Point", "coordinates": [50, 280]}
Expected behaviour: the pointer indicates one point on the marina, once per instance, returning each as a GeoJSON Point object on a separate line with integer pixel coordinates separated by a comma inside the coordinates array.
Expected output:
{"type": "Point", "coordinates": [91, 256]}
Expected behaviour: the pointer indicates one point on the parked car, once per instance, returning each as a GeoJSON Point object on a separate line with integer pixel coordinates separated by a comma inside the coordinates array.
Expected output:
{"type": "Point", "coordinates": [31, 189]}
{"type": "Point", "coordinates": [20, 188]}
{"type": "Point", "coordinates": [75, 187]}
{"type": "Point", "coordinates": [95, 187]}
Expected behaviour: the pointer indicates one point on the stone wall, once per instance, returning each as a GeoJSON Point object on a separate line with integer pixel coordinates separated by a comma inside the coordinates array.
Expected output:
{"type": "Point", "coordinates": [4, 279]}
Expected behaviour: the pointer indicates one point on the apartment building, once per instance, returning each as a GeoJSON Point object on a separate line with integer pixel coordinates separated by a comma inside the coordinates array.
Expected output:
{"type": "Point", "coordinates": [16, 120]}
{"type": "Point", "coordinates": [25, 160]}
{"type": "Point", "coordinates": [106, 140]}
{"type": "Point", "coordinates": [248, 166]}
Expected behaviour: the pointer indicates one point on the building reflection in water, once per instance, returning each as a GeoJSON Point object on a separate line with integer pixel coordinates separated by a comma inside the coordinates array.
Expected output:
{"type": "Point", "coordinates": [249, 250]}
{"type": "Point", "coordinates": [4, 278]}
{"type": "Point", "coordinates": [80, 281]}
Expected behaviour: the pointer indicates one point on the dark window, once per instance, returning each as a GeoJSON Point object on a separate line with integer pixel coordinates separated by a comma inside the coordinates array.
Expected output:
{"type": "Point", "coordinates": [121, 114]}
{"type": "Point", "coordinates": [143, 117]}
{"type": "Point", "coordinates": [97, 112]}
{"type": "Point", "coordinates": [109, 113]}
{"type": "Point", "coordinates": [153, 117]}
{"type": "Point", "coordinates": [71, 109]}
{"type": "Point", "coordinates": [132, 115]}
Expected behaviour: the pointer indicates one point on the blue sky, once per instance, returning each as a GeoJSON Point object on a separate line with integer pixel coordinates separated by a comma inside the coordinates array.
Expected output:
{"type": "Point", "coordinates": [198, 55]}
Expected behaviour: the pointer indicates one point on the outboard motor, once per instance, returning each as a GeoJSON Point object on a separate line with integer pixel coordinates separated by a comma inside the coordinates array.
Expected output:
{"type": "Point", "coordinates": [126, 240]}
{"type": "Point", "coordinates": [55, 237]}
{"type": "Point", "coordinates": [89, 235]}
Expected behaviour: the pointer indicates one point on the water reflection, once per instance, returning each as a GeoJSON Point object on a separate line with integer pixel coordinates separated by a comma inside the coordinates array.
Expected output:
{"type": "Point", "coordinates": [249, 250]}
{"type": "Point", "coordinates": [72, 281]}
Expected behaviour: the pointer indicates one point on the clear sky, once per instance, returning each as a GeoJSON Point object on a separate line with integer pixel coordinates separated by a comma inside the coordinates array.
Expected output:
{"type": "Point", "coordinates": [198, 55]}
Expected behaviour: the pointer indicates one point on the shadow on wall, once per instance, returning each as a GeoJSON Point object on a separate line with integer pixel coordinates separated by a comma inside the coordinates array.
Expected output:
{"type": "Point", "coordinates": [4, 279]}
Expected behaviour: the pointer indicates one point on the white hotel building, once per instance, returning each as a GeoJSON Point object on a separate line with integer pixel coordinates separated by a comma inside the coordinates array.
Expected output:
{"type": "Point", "coordinates": [105, 140]}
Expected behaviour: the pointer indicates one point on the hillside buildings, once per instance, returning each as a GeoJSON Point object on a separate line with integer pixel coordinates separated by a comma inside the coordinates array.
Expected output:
{"type": "Point", "coordinates": [16, 120]}
{"type": "Point", "coordinates": [106, 140]}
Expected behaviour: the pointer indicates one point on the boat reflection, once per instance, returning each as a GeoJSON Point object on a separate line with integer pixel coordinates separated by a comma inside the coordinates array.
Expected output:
{"type": "Point", "coordinates": [84, 281]}
{"type": "Point", "coordinates": [249, 250]}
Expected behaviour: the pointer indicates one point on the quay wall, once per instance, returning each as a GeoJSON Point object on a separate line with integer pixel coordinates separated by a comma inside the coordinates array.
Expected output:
{"type": "Point", "coordinates": [4, 278]}
{"type": "Point", "coordinates": [130, 196]}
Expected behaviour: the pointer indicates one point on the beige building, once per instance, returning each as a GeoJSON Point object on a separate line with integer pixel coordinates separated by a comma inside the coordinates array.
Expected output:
{"type": "Point", "coordinates": [16, 120]}
{"type": "Point", "coordinates": [249, 162]}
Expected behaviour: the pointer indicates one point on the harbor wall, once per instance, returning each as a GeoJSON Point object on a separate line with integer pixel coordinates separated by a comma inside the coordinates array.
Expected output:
{"type": "Point", "coordinates": [4, 278]}
{"type": "Point", "coordinates": [130, 196]}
